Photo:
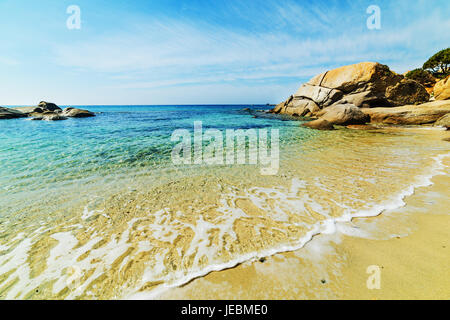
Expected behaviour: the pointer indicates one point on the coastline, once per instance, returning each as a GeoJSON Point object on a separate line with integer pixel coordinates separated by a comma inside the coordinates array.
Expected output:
{"type": "Point", "coordinates": [410, 244]}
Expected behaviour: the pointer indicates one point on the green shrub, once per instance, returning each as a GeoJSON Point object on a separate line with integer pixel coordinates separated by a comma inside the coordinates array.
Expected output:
{"type": "Point", "coordinates": [439, 64]}
{"type": "Point", "coordinates": [424, 77]}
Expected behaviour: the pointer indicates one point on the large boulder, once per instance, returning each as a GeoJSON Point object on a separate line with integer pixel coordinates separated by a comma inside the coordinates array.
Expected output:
{"type": "Point", "coordinates": [343, 114]}
{"type": "Point", "coordinates": [7, 113]}
{"type": "Point", "coordinates": [366, 84]}
{"type": "Point", "coordinates": [77, 113]}
{"type": "Point", "coordinates": [405, 92]}
{"type": "Point", "coordinates": [426, 113]}
{"type": "Point", "coordinates": [442, 89]}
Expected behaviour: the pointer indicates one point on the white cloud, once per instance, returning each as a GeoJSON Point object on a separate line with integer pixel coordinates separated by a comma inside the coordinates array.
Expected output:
{"type": "Point", "coordinates": [170, 53]}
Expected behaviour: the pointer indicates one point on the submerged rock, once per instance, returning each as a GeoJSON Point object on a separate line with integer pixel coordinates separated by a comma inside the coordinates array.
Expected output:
{"type": "Point", "coordinates": [7, 113]}
{"type": "Point", "coordinates": [361, 127]}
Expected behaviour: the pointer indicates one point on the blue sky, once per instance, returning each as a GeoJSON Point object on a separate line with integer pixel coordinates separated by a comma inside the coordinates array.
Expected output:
{"type": "Point", "coordinates": [201, 52]}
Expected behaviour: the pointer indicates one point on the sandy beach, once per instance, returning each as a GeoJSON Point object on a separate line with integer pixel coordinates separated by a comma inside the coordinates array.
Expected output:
{"type": "Point", "coordinates": [410, 245]}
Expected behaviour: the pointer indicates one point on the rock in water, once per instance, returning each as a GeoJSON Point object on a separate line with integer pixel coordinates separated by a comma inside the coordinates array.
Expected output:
{"type": "Point", "coordinates": [442, 89]}
{"type": "Point", "coordinates": [53, 117]}
{"type": "Point", "coordinates": [29, 110]}
{"type": "Point", "coordinates": [7, 113]}
{"type": "Point", "coordinates": [77, 113]}
{"type": "Point", "coordinates": [319, 124]}
{"type": "Point", "coordinates": [48, 106]}
{"type": "Point", "coordinates": [366, 84]}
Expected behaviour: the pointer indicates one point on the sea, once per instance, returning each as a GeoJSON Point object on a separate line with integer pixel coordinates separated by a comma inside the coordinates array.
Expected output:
{"type": "Point", "coordinates": [97, 208]}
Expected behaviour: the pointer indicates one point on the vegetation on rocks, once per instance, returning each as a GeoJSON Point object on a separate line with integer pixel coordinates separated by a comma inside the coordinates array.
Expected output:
{"type": "Point", "coordinates": [439, 64]}
{"type": "Point", "coordinates": [422, 76]}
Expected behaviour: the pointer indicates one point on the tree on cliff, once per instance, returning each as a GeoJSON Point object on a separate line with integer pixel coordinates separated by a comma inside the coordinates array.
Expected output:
{"type": "Point", "coordinates": [439, 64]}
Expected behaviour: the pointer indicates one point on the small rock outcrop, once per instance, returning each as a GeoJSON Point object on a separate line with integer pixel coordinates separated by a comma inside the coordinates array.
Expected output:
{"type": "Point", "coordinates": [29, 110]}
{"type": "Point", "coordinates": [48, 116]}
{"type": "Point", "coordinates": [7, 113]}
{"type": "Point", "coordinates": [51, 112]}
{"type": "Point", "coordinates": [442, 89]}
{"type": "Point", "coordinates": [77, 113]}
{"type": "Point", "coordinates": [48, 106]}
{"type": "Point", "coordinates": [364, 85]}
{"type": "Point", "coordinates": [443, 121]}
{"type": "Point", "coordinates": [43, 107]}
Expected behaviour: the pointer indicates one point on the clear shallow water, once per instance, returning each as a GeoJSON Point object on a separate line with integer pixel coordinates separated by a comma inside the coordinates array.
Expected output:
{"type": "Point", "coordinates": [38, 157]}
{"type": "Point", "coordinates": [94, 208]}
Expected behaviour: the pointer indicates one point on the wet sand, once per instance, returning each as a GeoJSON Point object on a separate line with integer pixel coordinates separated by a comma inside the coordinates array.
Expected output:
{"type": "Point", "coordinates": [409, 245]}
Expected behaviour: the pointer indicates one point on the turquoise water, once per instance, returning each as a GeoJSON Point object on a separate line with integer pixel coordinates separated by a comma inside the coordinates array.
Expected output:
{"type": "Point", "coordinates": [40, 158]}
{"type": "Point", "coordinates": [94, 208]}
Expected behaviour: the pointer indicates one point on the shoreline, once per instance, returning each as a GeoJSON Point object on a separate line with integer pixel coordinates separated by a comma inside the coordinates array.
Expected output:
{"type": "Point", "coordinates": [339, 241]}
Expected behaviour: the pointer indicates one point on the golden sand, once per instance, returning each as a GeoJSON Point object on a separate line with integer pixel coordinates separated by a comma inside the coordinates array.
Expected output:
{"type": "Point", "coordinates": [414, 264]}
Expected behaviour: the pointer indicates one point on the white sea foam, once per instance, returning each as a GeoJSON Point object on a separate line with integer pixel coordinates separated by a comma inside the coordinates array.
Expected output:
{"type": "Point", "coordinates": [329, 226]}
{"type": "Point", "coordinates": [66, 254]}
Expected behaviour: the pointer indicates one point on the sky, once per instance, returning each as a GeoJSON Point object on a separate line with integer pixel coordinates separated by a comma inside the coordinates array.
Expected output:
{"type": "Point", "coordinates": [201, 52]}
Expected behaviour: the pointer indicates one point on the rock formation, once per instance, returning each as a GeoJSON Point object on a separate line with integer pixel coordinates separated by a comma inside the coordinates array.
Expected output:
{"type": "Point", "coordinates": [48, 106]}
{"type": "Point", "coordinates": [77, 113]}
{"type": "Point", "coordinates": [426, 113]}
{"type": "Point", "coordinates": [365, 85]}
{"type": "Point", "coordinates": [45, 111]}
{"type": "Point", "coordinates": [7, 113]}
{"type": "Point", "coordinates": [362, 93]}
{"type": "Point", "coordinates": [442, 89]}
{"type": "Point", "coordinates": [443, 121]}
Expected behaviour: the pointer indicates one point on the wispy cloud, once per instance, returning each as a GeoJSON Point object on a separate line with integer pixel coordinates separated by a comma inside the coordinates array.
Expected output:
{"type": "Point", "coordinates": [173, 52]}
{"type": "Point", "coordinates": [208, 51]}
